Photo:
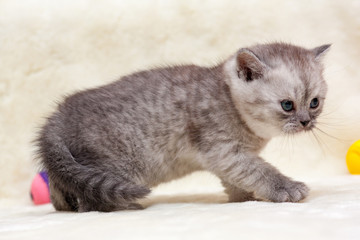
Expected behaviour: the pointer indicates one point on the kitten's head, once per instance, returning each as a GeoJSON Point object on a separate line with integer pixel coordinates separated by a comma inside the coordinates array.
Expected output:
{"type": "Point", "coordinates": [278, 88]}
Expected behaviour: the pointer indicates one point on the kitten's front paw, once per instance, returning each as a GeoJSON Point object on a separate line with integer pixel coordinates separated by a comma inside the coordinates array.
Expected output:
{"type": "Point", "coordinates": [288, 191]}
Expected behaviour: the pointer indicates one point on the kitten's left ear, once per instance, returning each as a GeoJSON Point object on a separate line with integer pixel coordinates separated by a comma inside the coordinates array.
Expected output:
{"type": "Point", "coordinates": [319, 52]}
{"type": "Point", "coordinates": [249, 66]}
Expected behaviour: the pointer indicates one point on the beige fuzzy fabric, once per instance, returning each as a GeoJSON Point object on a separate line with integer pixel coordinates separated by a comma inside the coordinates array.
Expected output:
{"type": "Point", "coordinates": [49, 49]}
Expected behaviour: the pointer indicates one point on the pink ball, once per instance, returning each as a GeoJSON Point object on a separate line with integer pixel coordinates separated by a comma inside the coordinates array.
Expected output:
{"type": "Point", "coordinates": [39, 192]}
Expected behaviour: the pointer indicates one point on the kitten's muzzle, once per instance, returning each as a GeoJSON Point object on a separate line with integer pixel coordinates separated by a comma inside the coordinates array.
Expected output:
{"type": "Point", "coordinates": [296, 127]}
{"type": "Point", "coordinates": [304, 119]}
{"type": "Point", "coordinates": [307, 125]}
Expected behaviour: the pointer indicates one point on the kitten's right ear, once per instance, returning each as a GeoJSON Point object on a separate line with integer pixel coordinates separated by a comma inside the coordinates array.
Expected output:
{"type": "Point", "coordinates": [249, 66]}
{"type": "Point", "coordinates": [320, 51]}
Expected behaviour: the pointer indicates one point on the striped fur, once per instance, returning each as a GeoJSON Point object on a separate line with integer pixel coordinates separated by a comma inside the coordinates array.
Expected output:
{"type": "Point", "coordinates": [106, 147]}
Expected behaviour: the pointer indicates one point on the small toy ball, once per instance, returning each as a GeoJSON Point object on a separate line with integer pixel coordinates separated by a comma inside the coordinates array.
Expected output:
{"type": "Point", "coordinates": [353, 158]}
{"type": "Point", "coordinates": [39, 192]}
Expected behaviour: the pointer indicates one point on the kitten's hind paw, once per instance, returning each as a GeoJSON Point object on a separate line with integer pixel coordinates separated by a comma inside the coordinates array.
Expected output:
{"type": "Point", "coordinates": [135, 206]}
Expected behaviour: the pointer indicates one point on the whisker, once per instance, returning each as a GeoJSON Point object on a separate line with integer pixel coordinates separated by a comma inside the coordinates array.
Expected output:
{"type": "Point", "coordinates": [335, 121]}
{"type": "Point", "coordinates": [292, 140]}
{"type": "Point", "coordinates": [331, 136]}
{"type": "Point", "coordinates": [283, 143]}
{"type": "Point", "coordinates": [320, 143]}
{"type": "Point", "coordinates": [287, 145]}
{"type": "Point", "coordinates": [329, 124]}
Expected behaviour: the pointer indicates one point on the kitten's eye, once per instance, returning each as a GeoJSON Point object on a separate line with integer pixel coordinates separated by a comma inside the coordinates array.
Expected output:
{"type": "Point", "coordinates": [314, 103]}
{"type": "Point", "coordinates": [287, 105]}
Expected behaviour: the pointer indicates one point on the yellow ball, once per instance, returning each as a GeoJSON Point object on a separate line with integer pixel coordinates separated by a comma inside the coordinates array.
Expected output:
{"type": "Point", "coordinates": [353, 158]}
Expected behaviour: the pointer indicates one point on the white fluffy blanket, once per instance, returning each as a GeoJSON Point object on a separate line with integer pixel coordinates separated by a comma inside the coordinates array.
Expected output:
{"type": "Point", "coordinates": [52, 48]}
{"type": "Point", "coordinates": [331, 212]}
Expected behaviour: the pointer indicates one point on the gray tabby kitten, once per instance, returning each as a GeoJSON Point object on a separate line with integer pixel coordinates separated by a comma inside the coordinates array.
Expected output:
{"type": "Point", "coordinates": [106, 147]}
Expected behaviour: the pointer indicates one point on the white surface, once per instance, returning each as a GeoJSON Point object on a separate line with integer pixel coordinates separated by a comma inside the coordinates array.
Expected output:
{"type": "Point", "coordinates": [332, 211]}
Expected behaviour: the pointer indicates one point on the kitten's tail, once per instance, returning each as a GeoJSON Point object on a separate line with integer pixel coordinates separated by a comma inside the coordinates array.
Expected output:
{"type": "Point", "coordinates": [94, 183]}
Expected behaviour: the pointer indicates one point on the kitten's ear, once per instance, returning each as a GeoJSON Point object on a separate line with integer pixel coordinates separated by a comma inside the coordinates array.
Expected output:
{"type": "Point", "coordinates": [249, 66]}
{"type": "Point", "coordinates": [319, 52]}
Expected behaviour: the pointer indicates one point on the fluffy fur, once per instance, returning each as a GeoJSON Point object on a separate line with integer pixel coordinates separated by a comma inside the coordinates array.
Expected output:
{"type": "Point", "coordinates": [104, 148]}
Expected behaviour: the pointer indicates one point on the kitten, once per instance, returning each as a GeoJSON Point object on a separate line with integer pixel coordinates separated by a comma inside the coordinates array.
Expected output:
{"type": "Point", "coordinates": [106, 147]}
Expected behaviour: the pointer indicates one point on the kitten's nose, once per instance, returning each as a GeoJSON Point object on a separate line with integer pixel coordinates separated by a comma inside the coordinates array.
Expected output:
{"type": "Point", "coordinates": [304, 123]}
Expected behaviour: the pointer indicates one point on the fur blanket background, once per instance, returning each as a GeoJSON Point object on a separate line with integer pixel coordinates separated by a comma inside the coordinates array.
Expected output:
{"type": "Point", "coordinates": [52, 48]}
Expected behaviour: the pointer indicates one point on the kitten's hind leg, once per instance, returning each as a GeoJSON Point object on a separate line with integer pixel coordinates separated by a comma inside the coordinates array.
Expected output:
{"type": "Point", "coordinates": [62, 200]}
{"type": "Point", "coordinates": [237, 194]}
{"type": "Point", "coordinates": [103, 206]}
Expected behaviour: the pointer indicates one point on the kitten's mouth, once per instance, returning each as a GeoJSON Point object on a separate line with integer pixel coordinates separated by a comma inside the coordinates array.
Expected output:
{"type": "Point", "coordinates": [293, 129]}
